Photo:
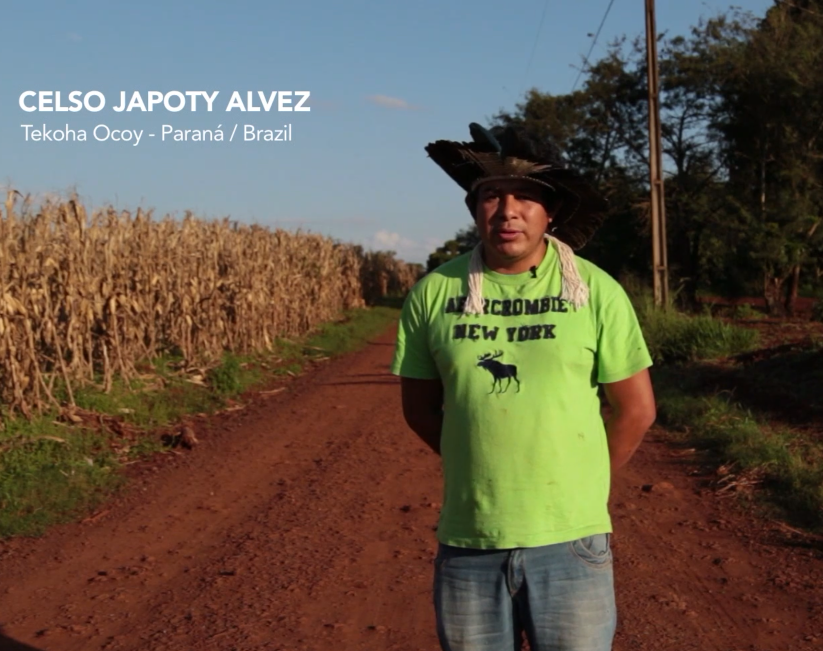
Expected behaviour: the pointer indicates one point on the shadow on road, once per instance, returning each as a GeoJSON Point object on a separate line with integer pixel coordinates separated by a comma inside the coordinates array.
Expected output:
{"type": "Point", "coordinates": [355, 383]}
{"type": "Point", "coordinates": [784, 382]}
{"type": "Point", "coordinates": [7, 644]}
{"type": "Point", "coordinates": [365, 378]}
{"type": "Point", "coordinates": [373, 376]}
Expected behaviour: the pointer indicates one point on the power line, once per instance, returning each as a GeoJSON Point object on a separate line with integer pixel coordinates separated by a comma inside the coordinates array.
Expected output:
{"type": "Point", "coordinates": [534, 47]}
{"type": "Point", "coordinates": [594, 42]}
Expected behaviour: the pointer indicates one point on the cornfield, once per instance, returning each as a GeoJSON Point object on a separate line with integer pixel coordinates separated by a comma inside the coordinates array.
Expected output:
{"type": "Point", "coordinates": [381, 274]}
{"type": "Point", "coordinates": [86, 298]}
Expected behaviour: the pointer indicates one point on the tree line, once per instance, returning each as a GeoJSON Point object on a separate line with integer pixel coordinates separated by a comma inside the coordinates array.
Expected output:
{"type": "Point", "coordinates": [742, 125]}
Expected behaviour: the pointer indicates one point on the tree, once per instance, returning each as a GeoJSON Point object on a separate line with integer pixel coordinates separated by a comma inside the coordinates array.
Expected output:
{"type": "Point", "coordinates": [741, 107]}
{"type": "Point", "coordinates": [772, 125]}
{"type": "Point", "coordinates": [697, 210]}
{"type": "Point", "coordinates": [464, 241]}
{"type": "Point", "coordinates": [599, 128]}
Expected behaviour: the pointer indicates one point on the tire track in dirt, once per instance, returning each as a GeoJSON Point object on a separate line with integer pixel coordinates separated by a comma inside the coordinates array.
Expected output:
{"type": "Point", "coordinates": [306, 521]}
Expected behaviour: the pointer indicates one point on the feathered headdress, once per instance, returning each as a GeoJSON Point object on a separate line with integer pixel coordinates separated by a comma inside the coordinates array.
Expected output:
{"type": "Point", "coordinates": [504, 153]}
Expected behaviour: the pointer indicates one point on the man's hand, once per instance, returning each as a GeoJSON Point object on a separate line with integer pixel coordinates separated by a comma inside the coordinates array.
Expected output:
{"type": "Point", "coordinates": [423, 409]}
{"type": "Point", "coordinates": [633, 413]}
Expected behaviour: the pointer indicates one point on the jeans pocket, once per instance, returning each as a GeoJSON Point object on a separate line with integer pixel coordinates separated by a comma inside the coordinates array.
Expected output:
{"type": "Point", "coordinates": [595, 551]}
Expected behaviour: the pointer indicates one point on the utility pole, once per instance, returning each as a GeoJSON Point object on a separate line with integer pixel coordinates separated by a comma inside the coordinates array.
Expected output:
{"type": "Point", "coordinates": [658, 202]}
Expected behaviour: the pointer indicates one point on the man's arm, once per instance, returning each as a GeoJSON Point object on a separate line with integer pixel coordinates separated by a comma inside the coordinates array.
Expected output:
{"type": "Point", "coordinates": [633, 413]}
{"type": "Point", "coordinates": [423, 409]}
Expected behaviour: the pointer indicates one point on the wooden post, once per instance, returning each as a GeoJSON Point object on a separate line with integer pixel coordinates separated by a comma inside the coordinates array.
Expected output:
{"type": "Point", "coordinates": [657, 199]}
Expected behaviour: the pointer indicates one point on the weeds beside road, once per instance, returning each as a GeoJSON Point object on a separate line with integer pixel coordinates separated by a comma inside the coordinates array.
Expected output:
{"type": "Point", "coordinates": [716, 387]}
{"type": "Point", "coordinates": [60, 466]}
{"type": "Point", "coordinates": [757, 409]}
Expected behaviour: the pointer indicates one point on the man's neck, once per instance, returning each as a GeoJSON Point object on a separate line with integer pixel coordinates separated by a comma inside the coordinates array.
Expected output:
{"type": "Point", "coordinates": [506, 266]}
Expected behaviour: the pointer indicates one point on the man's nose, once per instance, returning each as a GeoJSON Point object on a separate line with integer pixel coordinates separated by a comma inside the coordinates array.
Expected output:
{"type": "Point", "coordinates": [506, 205]}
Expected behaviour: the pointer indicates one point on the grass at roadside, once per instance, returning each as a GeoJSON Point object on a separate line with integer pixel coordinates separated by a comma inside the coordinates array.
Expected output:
{"type": "Point", "coordinates": [57, 467]}
{"type": "Point", "coordinates": [674, 337]}
{"type": "Point", "coordinates": [761, 459]}
{"type": "Point", "coordinates": [711, 395]}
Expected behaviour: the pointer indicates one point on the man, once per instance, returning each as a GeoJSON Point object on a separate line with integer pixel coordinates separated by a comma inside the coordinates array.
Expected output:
{"type": "Point", "coordinates": [501, 353]}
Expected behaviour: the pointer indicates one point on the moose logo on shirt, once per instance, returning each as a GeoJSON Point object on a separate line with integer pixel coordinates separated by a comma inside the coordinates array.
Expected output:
{"type": "Point", "coordinates": [499, 371]}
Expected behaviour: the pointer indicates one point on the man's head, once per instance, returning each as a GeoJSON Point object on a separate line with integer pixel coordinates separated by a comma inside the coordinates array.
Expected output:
{"type": "Point", "coordinates": [576, 208]}
{"type": "Point", "coordinates": [512, 217]}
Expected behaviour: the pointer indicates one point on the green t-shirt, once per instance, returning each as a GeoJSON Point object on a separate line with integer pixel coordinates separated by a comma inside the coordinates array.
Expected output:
{"type": "Point", "coordinates": [523, 445]}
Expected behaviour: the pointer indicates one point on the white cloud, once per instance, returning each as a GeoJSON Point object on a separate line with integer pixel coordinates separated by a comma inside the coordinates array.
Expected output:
{"type": "Point", "coordinates": [390, 102]}
{"type": "Point", "coordinates": [388, 240]}
{"type": "Point", "coordinates": [406, 249]}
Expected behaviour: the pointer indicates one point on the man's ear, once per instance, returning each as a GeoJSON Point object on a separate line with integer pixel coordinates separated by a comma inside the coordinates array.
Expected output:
{"type": "Point", "coordinates": [552, 208]}
{"type": "Point", "coordinates": [551, 201]}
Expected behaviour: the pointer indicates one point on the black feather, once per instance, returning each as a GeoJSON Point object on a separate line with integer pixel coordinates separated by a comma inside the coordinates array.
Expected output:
{"type": "Point", "coordinates": [519, 142]}
{"type": "Point", "coordinates": [484, 137]}
{"type": "Point", "coordinates": [579, 209]}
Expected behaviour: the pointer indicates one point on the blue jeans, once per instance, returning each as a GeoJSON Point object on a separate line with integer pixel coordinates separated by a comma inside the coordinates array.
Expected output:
{"type": "Point", "coordinates": [561, 596]}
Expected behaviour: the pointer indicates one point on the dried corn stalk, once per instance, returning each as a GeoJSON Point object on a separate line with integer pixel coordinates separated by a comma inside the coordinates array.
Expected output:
{"type": "Point", "coordinates": [85, 297]}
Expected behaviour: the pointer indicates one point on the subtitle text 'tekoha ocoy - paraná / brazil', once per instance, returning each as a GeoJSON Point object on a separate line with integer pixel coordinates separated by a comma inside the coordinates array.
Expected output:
{"type": "Point", "coordinates": [173, 101]}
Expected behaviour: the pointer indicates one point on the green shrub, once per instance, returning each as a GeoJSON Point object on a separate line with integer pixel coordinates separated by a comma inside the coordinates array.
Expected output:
{"type": "Point", "coordinates": [225, 379]}
{"type": "Point", "coordinates": [674, 336]}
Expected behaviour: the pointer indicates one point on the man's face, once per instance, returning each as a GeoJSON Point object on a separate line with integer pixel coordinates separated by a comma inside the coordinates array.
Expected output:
{"type": "Point", "coordinates": [510, 218]}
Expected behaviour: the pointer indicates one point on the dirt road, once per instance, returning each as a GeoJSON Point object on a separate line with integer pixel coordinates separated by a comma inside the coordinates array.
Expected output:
{"type": "Point", "coordinates": [305, 521]}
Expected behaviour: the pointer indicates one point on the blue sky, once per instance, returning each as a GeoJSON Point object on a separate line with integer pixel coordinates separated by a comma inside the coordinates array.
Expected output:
{"type": "Point", "coordinates": [385, 77]}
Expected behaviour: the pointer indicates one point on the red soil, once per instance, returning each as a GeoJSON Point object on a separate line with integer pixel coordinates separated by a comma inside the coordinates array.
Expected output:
{"type": "Point", "coordinates": [305, 521]}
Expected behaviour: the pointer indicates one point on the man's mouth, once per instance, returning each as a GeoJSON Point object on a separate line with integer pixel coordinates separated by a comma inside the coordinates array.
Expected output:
{"type": "Point", "coordinates": [507, 235]}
